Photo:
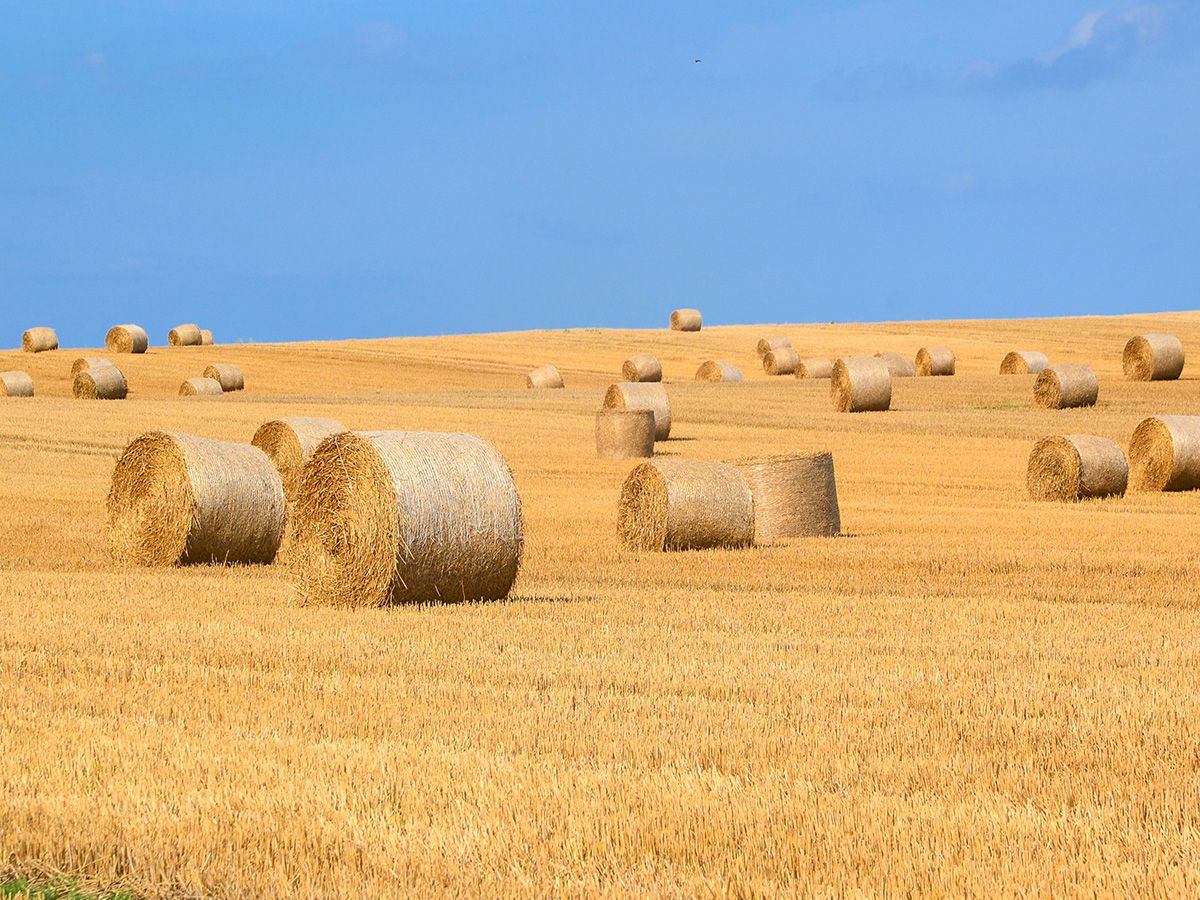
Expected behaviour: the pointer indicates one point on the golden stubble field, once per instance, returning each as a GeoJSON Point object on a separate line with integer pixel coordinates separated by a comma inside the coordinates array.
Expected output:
{"type": "Point", "coordinates": [968, 693]}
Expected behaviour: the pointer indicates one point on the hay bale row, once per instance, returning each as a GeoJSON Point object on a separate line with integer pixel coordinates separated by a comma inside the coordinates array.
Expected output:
{"type": "Point", "coordinates": [289, 443]}
{"type": "Point", "coordinates": [717, 370]}
{"type": "Point", "coordinates": [629, 395]}
{"type": "Point", "coordinates": [686, 320]}
{"type": "Point", "coordinates": [685, 504]}
{"type": "Point", "coordinates": [201, 387]}
{"type": "Point", "coordinates": [781, 361]}
{"type": "Point", "coordinates": [544, 377]}
{"type": "Point", "coordinates": [15, 384]}
{"type": "Point", "coordinates": [935, 361]}
{"type": "Point", "coordinates": [624, 433]}
{"type": "Point", "coordinates": [1164, 454]}
{"type": "Point", "coordinates": [898, 366]}
{"type": "Point", "coordinates": [1153, 357]}
{"type": "Point", "coordinates": [1076, 467]}
{"type": "Point", "coordinates": [38, 340]}
{"type": "Point", "coordinates": [861, 384]}
{"type": "Point", "coordinates": [102, 382]}
{"type": "Point", "coordinates": [127, 338]}
{"type": "Point", "coordinates": [814, 367]}
{"type": "Point", "coordinates": [1066, 386]}
{"type": "Point", "coordinates": [642, 367]}
{"type": "Point", "coordinates": [228, 375]}
{"type": "Point", "coordinates": [794, 496]}
{"type": "Point", "coordinates": [1024, 362]}
{"type": "Point", "coordinates": [772, 342]}
{"type": "Point", "coordinates": [185, 336]}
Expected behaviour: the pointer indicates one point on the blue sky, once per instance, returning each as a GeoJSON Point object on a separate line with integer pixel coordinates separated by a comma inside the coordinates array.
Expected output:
{"type": "Point", "coordinates": [291, 170]}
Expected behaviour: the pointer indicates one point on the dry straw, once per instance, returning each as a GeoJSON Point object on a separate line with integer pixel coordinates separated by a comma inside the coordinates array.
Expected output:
{"type": "Point", "coordinates": [184, 336]}
{"type": "Point", "coordinates": [544, 377]}
{"type": "Point", "coordinates": [627, 395]}
{"type": "Point", "coordinates": [624, 433]}
{"type": "Point", "coordinates": [1024, 362]}
{"type": "Point", "coordinates": [642, 367]}
{"type": "Point", "coordinates": [685, 504]}
{"type": "Point", "coordinates": [396, 517]}
{"type": "Point", "coordinates": [88, 362]}
{"type": "Point", "coordinates": [103, 382]}
{"type": "Point", "coordinates": [206, 337]}
{"type": "Point", "coordinates": [1075, 467]}
{"type": "Point", "coordinates": [814, 367]}
{"type": "Point", "coordinates": [772, 342]}
{"type": "Point", "coordinates": [227, 375]}
{"type": "Point", "coordinates": [781, 361]}
{"type": "Point", "coordinates": [200, 387]}
{"type": "Point", "coordinates": [935, 361]}
{"type": "Point", "coordinates": [861, 384]}
{"type": "Point", "coordinates": [1153, 357]}
{"type": "Point", "coordinates": [794, 496]}
{"type": "Point", "coordinates": [36, 340]}
{"type": "Point", "coordinates": [16, 384]}
{"type": "Point", "coordinates": [1061, 387]}
{"type": "Point", "coordinates": [686, 320]}
{"type": "Point", "coordinates": [1164, 454]}
{"type": "Point", "coordinates": [179, 499]}
{"type": "Point", "coordinates": [290, 442]}
{"type": "Point", "coordinates": [717, 370]}
{"type": "Point", "coordinates": [899, 366]}
{"type": "Point", "coordinates": [126, 339]}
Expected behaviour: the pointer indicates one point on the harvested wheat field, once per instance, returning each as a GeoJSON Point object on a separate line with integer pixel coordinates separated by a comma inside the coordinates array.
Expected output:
{"type": "Point", "coordinates": [966, 692]}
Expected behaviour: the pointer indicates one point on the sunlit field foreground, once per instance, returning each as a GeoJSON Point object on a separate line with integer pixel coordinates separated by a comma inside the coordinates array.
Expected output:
{"type": "Point", "coordinates": [968, 692]}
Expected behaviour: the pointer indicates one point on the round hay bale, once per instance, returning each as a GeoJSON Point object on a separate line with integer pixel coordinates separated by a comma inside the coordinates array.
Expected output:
{"type": "Point", "coordinates": [228, 375]}
{"type": "Point", "coordinates": [15, 384]}
{"type": "Point", "coordinates": [395, 517]}
{"type": "Point", "coordinates": [624, 433]}
{"type": "Point", "coordinates": [178, 499]}
{"type": "Point", "coordinates": [794, 496]}
{"type": "Point", "coordinates": [88, 362]}
{"type": "Point", "coordinates": [544, 377]}
{"type": "Point", "coordinates": [126, 339]}
{"type": "Point", "coordinates": [814, 367]}
{"type": "Point", "coordinates": [290, 442]}
{"type": "Point", "coordinates": [935, 361]}
{"type": "Point", "coordinates": [685, 504]}
{"type": "Point", "coordinates": [1164, 454]}
{"type": "Point", "coordinates": [200, 387]}
{"type": "Point", "coordinates": [642, 367]}
{"type": "Point", "coordinates": [686, 320]}
{"type": "Point", "coordinates": [772, 342]}
{"type": "Point", "coordinates": [861, 384]}
{"type": "Point", "coordinates": [631, 395]}
{"type": "Point", "coordinates": [100, 383]}
{"type": "Point", "coordinates": [717, 370]}
{"type": "Point", "coordinates": [1075, 466]}
{"type": "Point", "coordinates": [1065, 386]}
{"type": "Point", "coordinates": [184, 336]}
{"type": "Point", "coordinates": [1153, 357]}
{"type": "Point", "coordinates": [781, 361]}
{"type": "Point", "coordinates": [206, 337]}
{"type": "Point", "coordinates": [899, 366]}
{"type": "Point", "coordinates": [37, 340]}
{"type": "Point", "coordinates": [1024, 362]}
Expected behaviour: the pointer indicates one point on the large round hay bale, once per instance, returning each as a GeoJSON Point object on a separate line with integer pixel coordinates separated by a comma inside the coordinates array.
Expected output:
{"type": "Point", "coordinates": [206, 337]}
{"type": "Point", "coordinates": [396, 517]}
{"type": "Point", "coordinates": [1153, 357]}
{"type": "Point", "coordinates": [179, 499]}
{"type": "Point", "coordinates": [642, 367]}
{"type": "Point", "coordinates": [686, 320]}
{"type": "Point", "coordinates": [290, 442]}
{"type": "Point", "coordinates": [200, 387]}
{"type": "Point", "coordinates": [228, 375]}
{"type": "Point", "coordinates": [772, 342]}
{"type": "Point", "coordinates": [861, 384]}
{"type": "Point", "coordinates": [630, 395]}
{"type": "Point", "coordinates": [624, 433]}
{"type": "Point", "coordinates": [899, 366]}
{"type": "Point", "coordinates": [1076, 466]}
{"type": "Point", "coordinates": [1024, 362]}
{"type": "Point", "coordinates": [1065, 386]}
{"type": "Point", "coordinates": [1164, 454]}
{"type": "Point", "coordinates": [36, 340]}
{"type": "Point", "coordinates": [717, 370]}
{"type": "Point", "coordinates": [781, 361]}
{"type": "Point", "coordinates": [544, 377]}
{"type": "Point", "coordinates": [15, 384]}
{"type": "Point", "coordinates": [794, 496]}
{"type": "Point", "coordinates": [935, 361]}
{"type": "Point", "coordinates": [126, 339]}
{"type": "Point", "coordinates": [814, 367]}
{"type": "Point", "coordinates": [100, 383]}
{"type": "Point", "coordinates": [184, 336]}
{"type": "Point", "coordinates": [88, 362]}
{"type": "Point", "coordinates": [685, 504]}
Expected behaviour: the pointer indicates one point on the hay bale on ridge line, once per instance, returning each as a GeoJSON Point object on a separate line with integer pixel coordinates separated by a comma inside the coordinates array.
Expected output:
{"type": "Point", "coordinates": [128, 338]}
{"type": "Point", "coordinates": [206, 337]}
{"type": "Point", "coordinates": [39, 340]}
{"type": "Point", "coordinates": [184, 336]}
{"type": "Point", "coordinates": [686, 320]}
{"type": "Point", "coordinates": [685, 504]}
{"type": "Point", "coordinates": [1076, 467]}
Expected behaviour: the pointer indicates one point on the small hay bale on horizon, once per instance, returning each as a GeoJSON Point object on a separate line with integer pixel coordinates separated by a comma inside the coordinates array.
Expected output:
{"type": "Point", "coordinates": [1153, 357]}
{"type": "Point", "coordinates": [39, 340]}
{"type": "Point", "coordinates": [624, 433]}
{"type": "Point", "coordinates": [771, 342]}
{"type": "Point", "coordinates": [228, 375]}
{"type": "Point", "coordinates": [899, 366]}
{"type": "Point", "coordinates": [1072, 467]}
{"type": "Point", "coordinates": [1066, 386]}
{"type": "Point", "coordinates": [88, 362]}
{"type": "Point", "coordinates": [201, 387]}
{"type": "Point", "coordinates": [184, 336]}
{"type": "Point", "coordinates": [794, 496]}
{"type": "Point", "coordinates": [289, 442]}
{"type": "Point", "coordinates": [1024, 362]}
{"type": "Point", "coordinates": [128, 338]}
{"type": "Point", "coordinates": [861, 384]}
{"type": "Point", "coordinates": [686, 320]}
{"type": "Point", "coordinates": [1164, 454]}
{"type": "Point", "coordinates": [104, 382]}
{"type": "Point", "coordinates": [814, 367]}
{"type": "Point", "coordinates": [206, 337]}
{"type": "Point", "coordinates": [634, 395]}
{"type": "Point", "coordinates": [642, 367]}
{"type": "Point", "coordinates": [934, 361]}
{"type": "Point", "coordinates": [546, 376]}
{"type": "Point", "coordinates": [685, 504]}
{"type": "Point", "coordinates": [781, 361]}
{"type": "Point", "coordinates": [718, 370]}
{"type": "Point", "coordinates": [15, 383]}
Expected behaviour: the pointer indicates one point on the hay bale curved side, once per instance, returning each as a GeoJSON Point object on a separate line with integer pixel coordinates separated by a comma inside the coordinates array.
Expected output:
{"type": "Point", "coordinates": [685, 504]}
{"type": "Point", "coordinates": [624, 433]}
{"type": "Point", "coordinates": [935, 361]}
{"type": "Point", "coordinates": [399, 517]}
{"type": "Point", "coordinates": [184, 336]}
{"type": "Point", "coordinates": [1153, 357]}
{"type": "Point", "coordinates": [772, 342]}
{"type": "Point", "coordinates": [794, 496]}
{"type": "Point", "coordinates": [1066, 386]}
{"type": "Point", "coordinates": [642, 367]}
{"type": "Point", "coordinates": [1075, 467]}
{"type": "Point", "coordinates": [1164, 454]}
{"type": "Point", "coordinates": [544, 377]}
{"type": "Point", "coordinates": [105, 382]}
{"type": "Point", "coordinates": [201, 387]}
{"type": "Point", "coordinates": [206, 337]}
{"type": "Point", "coordinates": [15, 384]}
{"type": "Point", "coordinates": [686, 320]}
{"type": "Point", "coordinates": [861, 384]}
{"type": "Point", "coordinates": [781, 361]}
{"type": "Point", "coordinates": [814, 367]}
{"type": "Point", "coordinates": [289, 443]}
{"type": "Point", "coordinates": [128, 338]}
{"type": "Point", "coordinates": [633, 395]}
{"type": "Point", "coordinates": [177, 499]}
{"type": "Point", "coordinates": [1023, 362]}
{"type": "Point", "coordinates": [88, 362]}
{"type": "Point", "coordinates": [228, 375]}
{"type": "Point", "coordinates": [38, 340]}
{"type": "Point", "coordinates": [717, 370]}
{"type": "Point", "coordinates": [898, 366]}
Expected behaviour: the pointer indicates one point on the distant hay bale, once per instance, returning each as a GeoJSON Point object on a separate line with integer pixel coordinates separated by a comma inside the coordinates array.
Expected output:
{"type": "Point", "coordinates": [814, 367]}
{"type": "Point", "coordinates": [228, 375]}
{"type": "Point", "coordinates": [1164, 454]}
{"type": "Point", "coordinates": [177, 499]}
{"type": "Point", "coordinates": [781, 361]}
{"type": "Point", "coordinates": [899, 366]}
{"type": "Point", "coordinates": [685, 504]}
{"type": "Point", "coordinates": [717, 370]}
{"type": "Point", "coordinates": [1076, 466]}
{"type": "Point", "coordinates": [630, 395]}
{"type": "Point", "coordinates": [642, 367]}
{"type": "Point", "coordinates": [861, 384]}
{"type": "Point", "coordinates": [1065, 386]}
{"type": "Point", "coordinates": [624, 433]}
{"type": "Point", "coordinates": [1153, 357]}
{"type": "Point", "coordinates": [126, 339]}
{"type": "Point", "coordinates": [772, 342]}
{"type": "Point", "coordinates": [15, 384]}
{"type": "Point", "coordinates": [184, 336]}
{"type": "Point", "coordinates": [88, 362]}
{"type": "Point", "coordinates": [200, 387]}
{"type": "Point", "coordinates": [206, 337]}
{"type": "Point", "coordinates": [935, 361]}
{"type": "Point", "coordinates": [1024, 362]}
{"type": "Point", "coordinates": [794, 496]}
{"type": "Point", "coordinates": [103, 382]}
{"type": "Point", "coordinates": [394, 517]}
{"type": "Point", "coordinates": [686, 320]}
{"type": "Point", "coordinates": [544, 377]}
{"type": "Point", "coordinates": [290, 442]}
{"type": "Point", "coordinates": [37, 340]}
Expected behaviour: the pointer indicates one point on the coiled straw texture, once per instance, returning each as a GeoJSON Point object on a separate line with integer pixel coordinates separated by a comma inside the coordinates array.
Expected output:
{"type": "Point", "coordinates": [126, 339]}
{"type": "Point", "coordinates": [685, 504]}
{"type": "Point", "coordinates": [628, 395]}
{"type": "Point", "coordinates": [103, 382]}
{"type": "Point", "coordinates": [686, 320]}
{"type": "Point", "coordinates": [781, 361]}
{"type": "Point", "coordinates": [201, 387]}
{"type": "Point", "coordinates": [814, 367]}
{"type": "Point", "coordinates": [716, 370]}
{"type": "Point", "coordinates": [642, 367]}
{"type": "Point", "coordinates": [1075, 467]}
{"type": "Point", "coordinates": [899, 366]}
{"type": "Point", "coordinates": [1023, 362]}
{"type": "Point", "coordinates": [624, 433]}
{"type": "Point", "coordinates": [772, 342]}
{"type": "Point", "coordinates": [290, 442]}
{"type": "Point", "coordinates": [1153, 357]}
{"type": "Point", "coordinates": [184, 336]}
{"type": "Point", "coordinates": [15, 384]}
{"type": "Point", "coordinates": [1066, 386]}
{"type": "Point", "coordinates": [544, 377]}
{"type": "Point", "coordinates": [935, 361]}
{"type": "Point", "coordinates": [228, 375]}
{"type": "Point", "coordinates": [1164, 454]}
{"type": "Point", "coordinates": [794, 496]}
{"type": "Point", "coordinates": [861, 384]}
{"type": "Point", "coordinates": [37, 340]}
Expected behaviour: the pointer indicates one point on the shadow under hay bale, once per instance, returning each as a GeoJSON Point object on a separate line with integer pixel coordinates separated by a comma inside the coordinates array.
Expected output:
{"type": "Point", "coordinates": [39, 340]}
{"type": "Point", "coordinates": [126, 339]}
{"type": "Point", "coordinates": [772, 342]}
{"type": "Point", "coordinates": [794, 496]}
{"type": "Point", "coordinates": [898, 366]}
{"type": "Point", "coordinates": [861, 384]}
{"type": "Point", "coordinates": [1066, 386]}
{"type": "Point", "coordinates": [624, 433]}
{"type": "Point", "coordinates": [814, 367]}
{"type": "Point", "coordinates": [1076, 467]}
{"type": "Point", "coordinates": [781, 361]}
{"type": "Point", "coordinates": [685, 504]}
{"type": "Point", "coordinates": [104, 382]}
{"type": "Point", "coordinates": [290, 442]}
{"type": "Point", "coordinates": [642, 367]}
{"type": "Point", "coordinates": [184, 336]}
{"type": "Point", "coordinates": [228, 375]}
{"type": "Point", "coordinates": [15, 384]}
{"type": "Point", "coordinates": [88, 362]}
{"type": "Point", "coordinates": [935, 361]}
{"type": "Point", "coordinates": [686, 320]}
{"type": "Point", "coordinates": [1024, 362]}
{"type": "Point", "coordinates": [1164, 454]}
{"type": "Point", "coordinates": [201, 387]}
{"type": "Point", "coordinates": [631, 395]}
{"type": "Point", "coordinates": [544, 377]}
{"type": "Point", "coordinates": [1153, 357]}
{"type": "Point", "coordinates": [717, 370]}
